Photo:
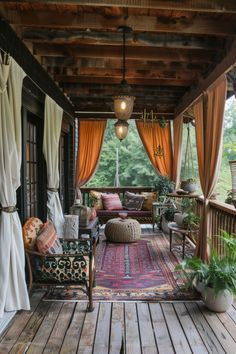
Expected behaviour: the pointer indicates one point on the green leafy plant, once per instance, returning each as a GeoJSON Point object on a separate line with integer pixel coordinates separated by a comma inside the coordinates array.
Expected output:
{"type": "Point", "coordinates": [219, 273]}
{"type": "Point", "coordinates": [191, 220]}
{"type": "Point", "coordinates": [169, 214]}
{"type": "Point", "coordinates": [163, 185]}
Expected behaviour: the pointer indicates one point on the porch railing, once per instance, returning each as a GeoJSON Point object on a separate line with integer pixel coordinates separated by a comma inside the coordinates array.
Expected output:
{"type": "Point", "coordinates": [222, 218]}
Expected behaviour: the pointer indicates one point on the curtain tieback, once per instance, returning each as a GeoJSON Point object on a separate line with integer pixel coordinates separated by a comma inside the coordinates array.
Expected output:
{"type": "Point", "coordinates": [52, 189]}
{"type": "Point", "coordinates": [9, 209]}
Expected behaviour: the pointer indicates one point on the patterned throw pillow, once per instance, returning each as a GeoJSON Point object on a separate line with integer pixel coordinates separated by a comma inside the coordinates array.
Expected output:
{"type": "Point", "coordinates": [96, 200]}
{"type": "Point", "coordinates": [149, 198]}
{"type": "Point", "coordinates": [47, 241]}
{"type": "Point", "coordinates": [111, 201]}
{"type": "Point", "coordinates": [30, 231]}
{"type": "Point", "coordinates": [133, 201]}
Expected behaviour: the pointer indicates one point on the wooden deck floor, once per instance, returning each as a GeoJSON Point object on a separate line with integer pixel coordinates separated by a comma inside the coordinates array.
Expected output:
{"type": "Point", "coordinates": [165, 327]}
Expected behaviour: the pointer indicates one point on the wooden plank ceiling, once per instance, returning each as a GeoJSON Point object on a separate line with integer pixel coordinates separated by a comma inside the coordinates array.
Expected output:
{"type": "Point", "coordinates": [174, 48]}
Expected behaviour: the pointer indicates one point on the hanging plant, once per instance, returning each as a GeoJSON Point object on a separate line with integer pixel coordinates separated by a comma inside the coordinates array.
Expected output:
{"type": "Point", "coordinates": [162, 122]}
{"type": "Point", "coordinates": [188, 184]}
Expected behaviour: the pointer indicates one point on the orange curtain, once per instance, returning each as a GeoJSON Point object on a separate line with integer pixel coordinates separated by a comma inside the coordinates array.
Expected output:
{"type": "Point", "coordinates": [91, 134]}
{"type": "Point", "coordinates": [178, 137]}
{"type": "Point", "coordinates": [209, 118]}
{"type": "Point", "coordinates": [152, 135]}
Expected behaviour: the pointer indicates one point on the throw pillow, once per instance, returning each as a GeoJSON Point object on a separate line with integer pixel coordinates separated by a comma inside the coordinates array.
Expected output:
{"type": "Point", "coordinates": [149, 198]}
{"type": "Point", "coordinates": [96, 199]}
{"type": "Point", "coordinates": [47, 241]}
{"type": "Point", "coordinates": [133, 201]}
{"type": "Point", "coordinates": [30, 231]}
{"type": "Point", "coordinates": [111, 201]}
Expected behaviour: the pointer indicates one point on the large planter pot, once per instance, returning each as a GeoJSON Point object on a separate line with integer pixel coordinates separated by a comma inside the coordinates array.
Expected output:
{"type": "Point", "coordinates": [219, 302]}
{"type": "Point", "coordinates": [188, 186]}
{"type": "Point", "coordinates": [164, 225]}
{"type": "Point", "coordinates": [179, 218]}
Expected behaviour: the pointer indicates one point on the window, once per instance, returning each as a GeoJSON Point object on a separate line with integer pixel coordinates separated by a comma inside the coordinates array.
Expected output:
{"type": "Point", "coordinates": [31, 170]}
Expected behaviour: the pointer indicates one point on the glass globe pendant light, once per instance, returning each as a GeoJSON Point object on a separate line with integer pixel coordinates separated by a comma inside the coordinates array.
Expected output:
{"type": "Point", "coordinates": [121, 129]}
{"type": "Point", "coordinates": [124, 102]}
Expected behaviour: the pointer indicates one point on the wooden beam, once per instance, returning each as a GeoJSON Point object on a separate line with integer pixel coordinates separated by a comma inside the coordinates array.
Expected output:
{"type": "Point", "coordinates": [81, 73]}
{"type": "Point", "coordinates": [111, 115]}
{"type": "Point", "coordinates": [145, 53]}
{"type": "Point", "coordinates": [44, 35]}
{"type": "Point", "coordinates": [222, 67]}
{"type": "Point", "coordinates": [11, 44]}
{"type": "Point", "coordinates": [116, 63]}
{"type": "Point", "coordinates": [219, 6]}
{"type": "Point", "coordinates": [117, 80]}
{"type": "Point", "coordinates": [45, 18]}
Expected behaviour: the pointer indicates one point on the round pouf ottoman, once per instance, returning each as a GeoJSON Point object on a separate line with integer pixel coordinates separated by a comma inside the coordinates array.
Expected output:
{"type": "Point", "coordinates": [122, 230]}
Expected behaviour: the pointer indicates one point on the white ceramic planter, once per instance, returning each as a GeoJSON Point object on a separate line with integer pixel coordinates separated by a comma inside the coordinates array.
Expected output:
{"type": "Point", "coordinates": [178, 218]}
{"type": "Point", "coordinates": [190, 187]}
{"type": "Point", "coordinates": [219, 302]}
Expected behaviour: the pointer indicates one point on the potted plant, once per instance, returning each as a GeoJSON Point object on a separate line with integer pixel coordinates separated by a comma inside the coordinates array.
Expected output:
{"type": "Point", "coordinates": [163, 186]}
{"type": "Point", "coordinates": [189, 185]}
{"type": "Point", "coordinates": [168, 216]}
{"type": "Point", "coordinates": [217, 277]}
{"type": "Point", "coordinates": [187, 218]}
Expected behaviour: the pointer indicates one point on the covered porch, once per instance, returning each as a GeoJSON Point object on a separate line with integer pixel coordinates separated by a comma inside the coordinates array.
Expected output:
{"type": "Point", "coordinates": [70, 53]}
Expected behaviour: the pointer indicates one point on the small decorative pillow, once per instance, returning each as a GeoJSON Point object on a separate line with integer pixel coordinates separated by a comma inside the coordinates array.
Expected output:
{"type": "Point", "coordinates": [133, 201]}
{"type": "Point", "coordinates": [149, 198]}
{"type": "Point", "coordinates": [47, 241]}
{"type": "Point", "coordinates": [111, 201]}
{"type": "Point", "coordinates": [71, 226]}
{"type": "Point", "coordinates": [30, 231]}
{"type": "Point", "coordinates": [96, 199]}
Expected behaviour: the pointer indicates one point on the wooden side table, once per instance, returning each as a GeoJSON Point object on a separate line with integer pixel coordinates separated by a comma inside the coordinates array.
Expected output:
{"type": "Point", "coordinates": [180, 230]}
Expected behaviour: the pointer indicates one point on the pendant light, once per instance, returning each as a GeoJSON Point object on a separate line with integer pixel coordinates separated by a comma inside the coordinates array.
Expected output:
{"type": "Point", "coordinates": [121, 129]}
{"type": "Point", "coordinates": [124, 102]}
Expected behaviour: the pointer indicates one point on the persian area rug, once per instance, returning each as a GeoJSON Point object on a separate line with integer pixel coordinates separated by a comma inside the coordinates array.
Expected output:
{"type": "Point", "coordinates": [141, 271]}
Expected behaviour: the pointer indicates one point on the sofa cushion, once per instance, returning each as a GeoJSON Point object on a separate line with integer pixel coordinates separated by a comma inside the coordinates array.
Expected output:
{"type": "Point", "coordinates": [111, 201]}
{"type": "Point", "coordinates": [47, 241]}
{"type": "Point", "coordinates": [30, 231]}
{"type": "Point", "coordinates": [133, 201]}
{"type": "Point", "coordinates": [96, 199]}
{"type": "Point", "coordinates": [149, 198]}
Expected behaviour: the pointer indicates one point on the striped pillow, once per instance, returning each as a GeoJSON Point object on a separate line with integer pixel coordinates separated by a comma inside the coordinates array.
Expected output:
{"type": "Point", "coordinates": [47, 241]}
{"type": "Point", "coordinates": [111, 201]}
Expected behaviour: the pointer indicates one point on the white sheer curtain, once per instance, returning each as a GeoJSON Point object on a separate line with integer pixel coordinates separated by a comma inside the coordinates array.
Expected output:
{"type": "Point", "coordinates": [13, 290]}
{"type": "Point", "coordinates": [52, 131]}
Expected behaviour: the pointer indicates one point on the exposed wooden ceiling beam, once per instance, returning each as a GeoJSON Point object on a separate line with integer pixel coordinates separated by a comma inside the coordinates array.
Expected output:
{"type": "Point", "coordinates": [116, 80]}
{"type": "Point", "coordinates": [12, 45]}
{"type": "Point", "coordinates": [111, 115]}
{"type": "Point", "coordinates": [43, 35]}
{"type": "Point", "coordinates": [95, 21]}
{"type": "Point", "coordinates": [222, 67]}
{"type": "Point", "coordinates": [116, 63]}
{"type": "Point", "coordinates": [220, 6]}
{"type": "Point", "coordinates": [103, 51]}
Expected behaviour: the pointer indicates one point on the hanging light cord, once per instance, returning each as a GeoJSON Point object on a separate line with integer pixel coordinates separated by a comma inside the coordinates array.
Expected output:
{"type": "Point", "coordinates": [124, 69]}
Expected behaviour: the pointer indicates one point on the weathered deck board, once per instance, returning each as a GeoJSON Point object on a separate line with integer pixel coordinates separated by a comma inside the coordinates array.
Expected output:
{"type": "Point", "coordinates": [176, 332]}
{"type": "Point", "coordinates": [148, 343]}
{"type": "Point", "coordinates": [132, 342]}
{"type": "Point", "coordinates": [164, 343]}
{"type": "Point", "coordinates": [194, 339]}
{"type": "Point", "coordinates": [41, 337]}
{"type": "Point", "coordinates": [72, 336]}
{"type": "Point", "coordinates": [120, 328]}
{"type": "Point", "coordinates": [220, 331]}
{"type": "Point", "coordinates": [88, 331]}
{"type": "Point", "coordinates": [101, 342]}
{"type": "Point", "coordinates": [61, 326]}
{"type": "Point", "coordinates": [204, 329]}
{"type": "Point", "coordinates": [18, 323]}
{"type": "Point", "coordinates": [117, 333]}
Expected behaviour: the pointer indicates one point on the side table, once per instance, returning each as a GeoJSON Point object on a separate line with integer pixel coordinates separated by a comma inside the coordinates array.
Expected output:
{"type": "Point", "coordinates": [180, 230]}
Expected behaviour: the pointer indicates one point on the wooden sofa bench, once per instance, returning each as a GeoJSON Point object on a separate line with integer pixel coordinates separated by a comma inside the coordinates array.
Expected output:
{"type": "Point", "coordinates": [142, 216]}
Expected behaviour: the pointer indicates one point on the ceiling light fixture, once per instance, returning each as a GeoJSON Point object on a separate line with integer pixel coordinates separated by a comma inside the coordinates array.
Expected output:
{"type": "Point", "coordinates": [124, 102]}
{"type": "Point", "coordinates": [121, 129]}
